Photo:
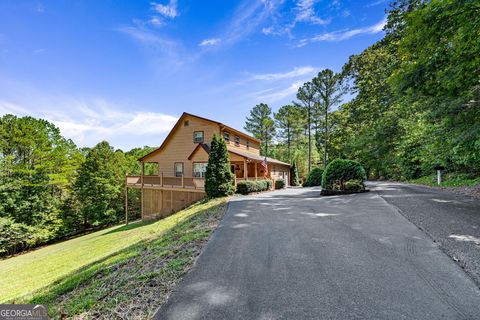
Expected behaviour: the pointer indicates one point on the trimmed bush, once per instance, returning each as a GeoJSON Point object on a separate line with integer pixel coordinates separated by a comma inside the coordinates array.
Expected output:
{"type": "Point", "coordinates": [340, 171]}
{"type": "Point", "coordinates": [246, 187]}
{"type": "Point", "coordinates": [314, 178]}
{"type": "Point", "coordinates": [279, 184]}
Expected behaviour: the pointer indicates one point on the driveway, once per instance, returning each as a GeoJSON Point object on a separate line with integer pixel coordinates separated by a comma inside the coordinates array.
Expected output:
{"type": "Point", "coordinates": [451, 220]}
{"type": "Point", "coordinates": [291, 254]}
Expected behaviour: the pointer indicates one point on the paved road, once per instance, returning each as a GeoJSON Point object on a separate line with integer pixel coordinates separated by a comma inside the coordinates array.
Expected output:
{"type": "Point", "coordinates": [451, 220]}
{"type": "Point", "coordinates": [291, 254]}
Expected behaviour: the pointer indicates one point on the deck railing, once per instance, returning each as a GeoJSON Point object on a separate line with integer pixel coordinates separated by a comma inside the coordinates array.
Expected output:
{"type": "Point", "coordinates": [166, 182]}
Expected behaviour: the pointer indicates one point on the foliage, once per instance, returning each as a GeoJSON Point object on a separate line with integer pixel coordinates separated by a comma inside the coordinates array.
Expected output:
{"type": "Point", "coordinates": [262, 126]}
{"type": "Point", "coordinates": [14, 236]}
{"type": "Point", "coordinates": [294, 175]}
{"type": "Point", "coordinates": [218, 177]}
{"type": "Point", "coordinates": [289, 128]}
{"type": "Point", "coordinates": [99, 185]}
{"type": "Point", "coordinates": [279, 184]}
{"type": "Point", "coordinates": [246, 187]}
{"type": "Point", "coordinates": [314, 178]}
{"type": "Point", "coordinates": [354, 185]}
{"type": "Point", "coordinates": [341, 170]}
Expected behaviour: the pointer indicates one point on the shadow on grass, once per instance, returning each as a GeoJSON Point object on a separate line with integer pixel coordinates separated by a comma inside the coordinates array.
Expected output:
{"type": "Point", "coordinates": [91, 272]}
{"type": "Point", "coordinates": [130, 226]}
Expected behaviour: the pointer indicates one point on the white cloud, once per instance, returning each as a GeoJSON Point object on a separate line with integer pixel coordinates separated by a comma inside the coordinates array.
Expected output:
{"type": "Point", "coordinates": [296, 72]}
{"type": "Point", "coordinates": [167, 10]}
{"type": "Point", "coordinates": [276, 94]}
{"type": "Point", "coordinates": [89, 122]}
{"type": "Point", "coordinates": [156, 21]}
{"type": "Point", "coordinates": [305, 12]}
{"type": "Point", "coordinates": [344, 34]}
{"type": "Point", "coordinates": [209, 42]}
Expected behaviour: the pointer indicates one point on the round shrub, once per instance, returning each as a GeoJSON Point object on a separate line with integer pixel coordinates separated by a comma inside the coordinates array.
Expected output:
{"type": "Point", "coordinates": [279, 184]}
{"type": "Point", "coordinates": [341, 171]}
{"type": "Point", "coordinates": [314, 178]}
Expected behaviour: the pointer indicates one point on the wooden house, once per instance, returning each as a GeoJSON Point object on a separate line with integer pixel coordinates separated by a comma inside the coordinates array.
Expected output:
{"type": "Point", "coordinates": [182, 160]}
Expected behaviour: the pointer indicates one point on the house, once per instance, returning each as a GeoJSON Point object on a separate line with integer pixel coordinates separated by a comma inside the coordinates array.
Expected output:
{"type": "Point", "coordinates": [181, 162]}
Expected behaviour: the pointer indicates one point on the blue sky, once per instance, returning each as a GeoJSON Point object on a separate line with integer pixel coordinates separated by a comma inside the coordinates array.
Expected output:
{"type": "Point", "coordinates": [124, 71]}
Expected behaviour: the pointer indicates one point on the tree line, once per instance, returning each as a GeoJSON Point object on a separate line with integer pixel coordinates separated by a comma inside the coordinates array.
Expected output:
{"type": "Point", "coordinates": [51, 189]}
{"type": "Point", "coordinates": [415, 100]}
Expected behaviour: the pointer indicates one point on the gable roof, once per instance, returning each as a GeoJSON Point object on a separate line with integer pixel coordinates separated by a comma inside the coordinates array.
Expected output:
{"type": "Point", "coordinates": [200, 145]}
{"type": "Point", "coordinates": [179, 121]}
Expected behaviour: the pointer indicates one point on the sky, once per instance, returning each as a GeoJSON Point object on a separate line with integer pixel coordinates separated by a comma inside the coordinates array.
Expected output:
{"type": "Point", "coordinates": [124, 71]}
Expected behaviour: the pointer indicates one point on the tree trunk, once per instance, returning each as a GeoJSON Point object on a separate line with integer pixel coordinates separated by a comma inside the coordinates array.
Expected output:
{"type": "Point", "coordinates": [309, 140]}
{"type": "Point", "coordinates": [326, 138]}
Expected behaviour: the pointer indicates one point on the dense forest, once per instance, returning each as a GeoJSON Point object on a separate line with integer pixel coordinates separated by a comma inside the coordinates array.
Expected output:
{"type": "Point", "coordinates": [407, 103]}
{"type": "Point", "coordinates": [415, 105]}
{"type": "Point", "coordinates": [51, 189]}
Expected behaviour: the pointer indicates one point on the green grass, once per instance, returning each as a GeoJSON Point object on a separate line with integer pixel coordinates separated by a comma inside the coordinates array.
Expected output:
{"type": "Point", "coordinates": [60, 267]}
{"type": "Point", "coordinates": [448, 180]}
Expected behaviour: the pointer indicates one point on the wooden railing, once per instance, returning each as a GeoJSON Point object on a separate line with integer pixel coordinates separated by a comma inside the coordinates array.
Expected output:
{"type": "Point", "coordinates": [166, 182]}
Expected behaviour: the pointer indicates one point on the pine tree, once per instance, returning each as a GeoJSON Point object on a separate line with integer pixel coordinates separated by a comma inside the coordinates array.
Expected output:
{"type": "Point", "coordinates": [218, 178]}
{"type": "Point", "coordinates": [261, 125]}
{"type": "Point", "coordinates": [294, 175]}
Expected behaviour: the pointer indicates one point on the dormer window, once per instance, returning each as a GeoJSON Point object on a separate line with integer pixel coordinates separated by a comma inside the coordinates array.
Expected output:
{"type": "Point", "coordinates": [226, 137]}
{"type": "Point", "coordinates": [237, 141]}
{"type": "Point", "coordinates": [198, 137]}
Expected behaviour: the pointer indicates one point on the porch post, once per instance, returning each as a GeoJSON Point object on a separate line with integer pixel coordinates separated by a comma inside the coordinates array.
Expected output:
{"type": "Point", "coordinates": [255, 170]}
{"type": "Point", "coordinates": [245, 171]}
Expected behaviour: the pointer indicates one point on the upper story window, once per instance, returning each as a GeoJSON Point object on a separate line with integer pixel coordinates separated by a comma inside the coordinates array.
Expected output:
{"type": "Point", "coordinates": [248, 144]}
{"type": "Point", "coordinates": [178, 169]}
{"type": "Point", "coordinates": [226, 137]}
{"type": "Point", "coordinates": [237, 141]}
{"type": "Point", "coordinates": [186, 123]}
{"type": "Point", "coordinates": [198, 137]}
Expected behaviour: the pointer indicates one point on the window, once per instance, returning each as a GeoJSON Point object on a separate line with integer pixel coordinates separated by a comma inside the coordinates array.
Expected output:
{"type": "Point", "coordinates": [237, 141]}
{"type": "Point", "coordinates": [199, 169]}
{"type": "Point", "coordinates": [178, 169]}
{"type": "Point", "coordinates": [226, 137]}
{"type": "Point", "coordinates": [198, 137]}
{"type": "Point", "coordinates": [186, 123]}
{"type": "Point", "coordinates": [248, 144]}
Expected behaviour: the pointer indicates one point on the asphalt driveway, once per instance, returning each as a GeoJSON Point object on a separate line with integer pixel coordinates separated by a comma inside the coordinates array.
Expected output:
{"type": "Point", "coordinates": [291, 254]}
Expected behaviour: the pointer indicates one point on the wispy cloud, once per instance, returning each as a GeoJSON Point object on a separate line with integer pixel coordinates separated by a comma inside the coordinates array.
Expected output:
{"type": "Point", "coordinates": [247, 18]}
{"type": "Point", "coordinates": [305, 12]}
{"type": "Point", "coordinates": [168, 10]}
{"type": "Point", "coordinates": [209, 42]}
{"type": "Point", "coordinates": [276, 94]}
{"type": "Point", "coordinates": [158, 46]}
{"type": "Point", "coordinates": [341, 35]}
{"type": "Point", "coordinates": [295, 73]}
{"type": "Point", "coordinates": [375, 3]}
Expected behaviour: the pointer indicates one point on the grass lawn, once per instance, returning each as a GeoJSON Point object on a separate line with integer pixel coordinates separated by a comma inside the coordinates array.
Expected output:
{"type": "Point", "coordinates": [46, 274]}
{"type": "Point", "coordinates": [448, 180]}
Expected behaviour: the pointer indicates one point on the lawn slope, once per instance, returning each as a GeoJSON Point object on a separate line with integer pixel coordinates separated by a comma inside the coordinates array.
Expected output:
{"type": "Point", "coordinates": [48, 273]}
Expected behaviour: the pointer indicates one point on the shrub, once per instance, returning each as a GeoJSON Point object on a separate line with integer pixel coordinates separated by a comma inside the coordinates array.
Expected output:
{"type": "Point", "coordinates": [294, 175]}
{"type": "Point", "coordinates": [314, 178]}
{"type": "Point", "coordinates": [279, 184]}
{"type": "Point", "coordinates": [340, 171]}
{"type": "Point", "coordinates": [354, 186]}
{"type": "Point", "coordinates": [218, 177]}
{"type": "Point", "coordinates": [246, 187]}
{"type": "Point", "coordinates": [14, 237]}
